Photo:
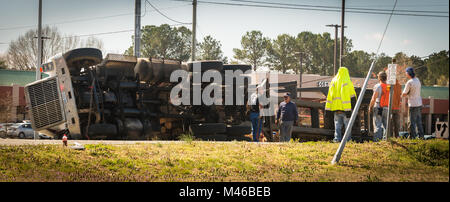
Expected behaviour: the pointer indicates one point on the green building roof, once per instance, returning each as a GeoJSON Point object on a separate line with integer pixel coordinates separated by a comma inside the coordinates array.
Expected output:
{"type": "Point", "coordinates": [9, 77]}
{"type": "Point", "coordinates": [435, 92]}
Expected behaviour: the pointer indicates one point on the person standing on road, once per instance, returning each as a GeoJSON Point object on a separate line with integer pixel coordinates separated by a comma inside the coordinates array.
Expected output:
{"type": "Point", "coordinates": [255, 115]}
{"type": "Point", "coordinates": [339, 100]}
{"type": "Point", "coordinates": [287, 115]}
{"type": "Point", "coordinates": [379, 106]}
{"type": "Point", "coordinates": [412, 92]}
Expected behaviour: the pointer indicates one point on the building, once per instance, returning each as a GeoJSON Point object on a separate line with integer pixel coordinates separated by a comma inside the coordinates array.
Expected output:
{"type": "Point", "coordinates": [12, 97]}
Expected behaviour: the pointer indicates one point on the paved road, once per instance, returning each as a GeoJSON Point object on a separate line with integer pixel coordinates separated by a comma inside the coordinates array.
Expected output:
{"type": "Point", "coordinates": [70, 142]}
{"type": "Point", "coordinates": [37, 142]}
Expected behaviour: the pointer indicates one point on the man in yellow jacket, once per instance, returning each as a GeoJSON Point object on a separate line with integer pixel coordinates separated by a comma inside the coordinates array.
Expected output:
{"type": "Point", "coordinates": [340, 93]}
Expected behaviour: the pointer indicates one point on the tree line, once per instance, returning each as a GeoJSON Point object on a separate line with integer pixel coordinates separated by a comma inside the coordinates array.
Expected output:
{"type": "Point", "coordinates": [279, 54]}
{"type": "Point", "coordinates": [283, 53]}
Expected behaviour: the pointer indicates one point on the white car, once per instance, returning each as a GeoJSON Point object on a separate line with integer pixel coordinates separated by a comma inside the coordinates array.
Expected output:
{"type": "Point", "coordinates": [22, 131]}
{"type": "Point", "coordinates": [2, 130]}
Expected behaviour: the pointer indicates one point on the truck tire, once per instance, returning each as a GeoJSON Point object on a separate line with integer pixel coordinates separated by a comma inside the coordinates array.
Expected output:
{"type": "Point", "coordinates": [207, 128]}
{"type": "Point", "coordinates": [81, 57]}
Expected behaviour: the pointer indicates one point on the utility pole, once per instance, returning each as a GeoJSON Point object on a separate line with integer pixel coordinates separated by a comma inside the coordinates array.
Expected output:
{"type": "Point", "coordinates": [301, 75]}
{"type": "Point", "coordinates": [342, 34]}
{"type": "Point", "coordinates": [194, 28]}
{"type": "Point", "coordinates": [39, 59]}
{"type": "Point", "coordinates": [137, 28]}
{"type": "Point", "coordinates": [42, 49]}
{"type": "Point", "coordinates": [391, 87]}
{"type": "Point", "coordinates": [335, 46]}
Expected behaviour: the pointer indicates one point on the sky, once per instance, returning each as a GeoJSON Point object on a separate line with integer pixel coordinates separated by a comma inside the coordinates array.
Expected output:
{"type": "Point", "coordinates": [412, 35]}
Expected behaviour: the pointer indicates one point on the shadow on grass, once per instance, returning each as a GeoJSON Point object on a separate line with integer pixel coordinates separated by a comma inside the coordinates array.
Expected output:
{"type": "Point", "coordinates": [433, 153]}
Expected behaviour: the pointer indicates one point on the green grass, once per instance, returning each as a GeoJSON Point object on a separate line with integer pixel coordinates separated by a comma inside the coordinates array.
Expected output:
{"type": "Point", "coordinates": [190, 160]}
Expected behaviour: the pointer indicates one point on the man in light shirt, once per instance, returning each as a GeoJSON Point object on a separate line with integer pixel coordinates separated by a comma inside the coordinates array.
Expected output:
{"type": "Point", "coordinates": [255, 114]}
{"type": "Point", "coordinates": [412, 92]}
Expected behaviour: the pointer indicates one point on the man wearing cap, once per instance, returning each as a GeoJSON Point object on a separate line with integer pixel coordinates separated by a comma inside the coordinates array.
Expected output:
{"type": "Point", "coordinates": [412, 92]}
{"type": "Point", "coordinates": [287, 115]}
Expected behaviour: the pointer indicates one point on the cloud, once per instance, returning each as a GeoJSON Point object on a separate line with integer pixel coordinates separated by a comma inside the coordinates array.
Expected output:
{"type": "Point", "coordinates": [406, 42]}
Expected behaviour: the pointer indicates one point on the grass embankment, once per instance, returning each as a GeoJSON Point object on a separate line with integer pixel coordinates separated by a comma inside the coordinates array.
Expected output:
{"type": "Point", "coordinates": [409, 160]}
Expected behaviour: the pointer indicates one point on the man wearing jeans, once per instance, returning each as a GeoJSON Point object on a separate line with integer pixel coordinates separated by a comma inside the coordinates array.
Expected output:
{"type": "Point", "coordinates": [340, 94]}
{"type": "Point", "coordinates": [255, 115]}
{"type": "Point", "coordinates": [379, 106]}
{"type": "Point", "coordinates": [287, 114]}
{"type": "Point", "coordinates": [412, 92]}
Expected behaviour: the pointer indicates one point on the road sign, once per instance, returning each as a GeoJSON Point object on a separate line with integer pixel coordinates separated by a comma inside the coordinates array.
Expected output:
{"type": "Point", "coordinates": [442, 130]}
{"type": "Point", "coordinates": [391, 74]}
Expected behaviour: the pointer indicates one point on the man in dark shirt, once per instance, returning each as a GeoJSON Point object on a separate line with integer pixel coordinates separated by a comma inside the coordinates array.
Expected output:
{"type": "Point", "coordinates": [287, 114]}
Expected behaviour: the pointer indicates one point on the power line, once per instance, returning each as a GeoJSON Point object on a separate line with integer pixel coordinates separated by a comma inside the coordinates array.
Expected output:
{"type": "Point", "coordinates": [89, 19]}
{"type": "Point", "coordinates": [164, 14]}
{"type": "Point", "coordinates": [111, 32]}
{"type": "Point", "coordinates": [385, 29]}
{"type": "Point", "coordinates": [314, 9]}
{"type": "Point", "coordinates": [102, 33]}
{"type": "Point", "coordinates": [336, 7]}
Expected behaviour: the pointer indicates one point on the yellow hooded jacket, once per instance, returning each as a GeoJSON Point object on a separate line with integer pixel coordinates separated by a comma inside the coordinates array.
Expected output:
{"type": "Point", "coordinates": [340, 92]}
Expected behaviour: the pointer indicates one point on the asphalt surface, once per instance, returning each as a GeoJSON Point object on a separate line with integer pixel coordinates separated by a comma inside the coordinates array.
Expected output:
{"type": "Point", "coordinates": [17, 142]}
{"type": "Point", "coordinates": [40, 141]}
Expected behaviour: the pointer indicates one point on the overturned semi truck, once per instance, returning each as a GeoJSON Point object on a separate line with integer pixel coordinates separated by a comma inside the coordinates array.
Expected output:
{"type": "Point", "coordinates": [123, 97]}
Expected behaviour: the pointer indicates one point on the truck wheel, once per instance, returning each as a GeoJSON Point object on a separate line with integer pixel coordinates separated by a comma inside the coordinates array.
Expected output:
{"type": "Point", "coordinates": [83, 57]}
{"type": "Point", "coordinates": [21, 135]}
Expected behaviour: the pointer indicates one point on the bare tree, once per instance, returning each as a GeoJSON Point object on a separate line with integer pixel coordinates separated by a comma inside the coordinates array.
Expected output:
{"type": "Point", "coordinates": [22, 53]}
{"type": "Point", "coordinates": [92, 42]}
